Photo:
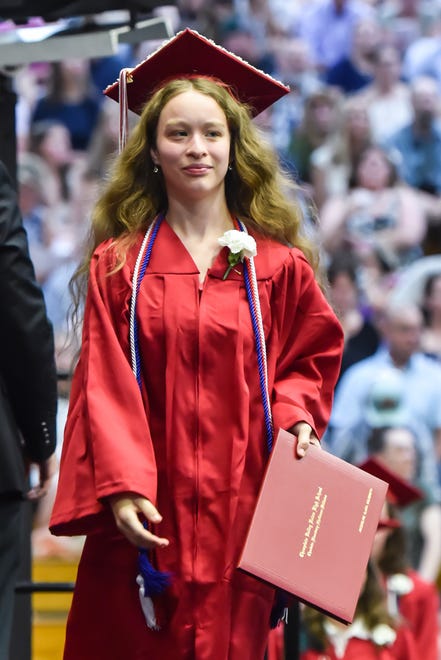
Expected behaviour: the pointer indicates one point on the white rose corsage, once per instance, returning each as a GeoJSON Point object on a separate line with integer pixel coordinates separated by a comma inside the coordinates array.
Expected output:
{"type": "Point", "coordinates": [383, 635]}
{"type": "Point", "coordinates": [240, 244]}
{"type": "Point", "coordinates": [400, 584]}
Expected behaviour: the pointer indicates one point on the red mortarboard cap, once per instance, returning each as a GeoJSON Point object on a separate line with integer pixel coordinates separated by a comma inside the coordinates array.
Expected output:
{"type": "Point", "coordinates": [389, 523]}
{"type": "Point", "coordinates": [190, 54]}
{"type": "Point", "coordinates": [400, 492]}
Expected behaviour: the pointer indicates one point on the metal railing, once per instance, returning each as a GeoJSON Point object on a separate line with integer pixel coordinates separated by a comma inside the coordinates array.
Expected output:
{"type": "Point", "coordinates": [28, 587]}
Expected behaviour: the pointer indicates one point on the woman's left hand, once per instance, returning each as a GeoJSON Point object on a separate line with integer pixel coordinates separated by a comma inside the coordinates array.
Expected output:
{"type": "Point", "coordinates": [305, 437]}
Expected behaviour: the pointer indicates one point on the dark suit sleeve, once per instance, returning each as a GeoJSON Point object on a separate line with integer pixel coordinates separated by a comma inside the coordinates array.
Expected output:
{"type": "Point", "coordinates": [27, 364]}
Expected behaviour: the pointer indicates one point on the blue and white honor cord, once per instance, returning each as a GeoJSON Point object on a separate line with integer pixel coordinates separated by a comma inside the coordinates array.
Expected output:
{"type": "Point", "coordinates": [141, 264]}
{"type": "Point", "coordinates": [151, 581]}
{"type": "Point", "coordinates": [250, 279]}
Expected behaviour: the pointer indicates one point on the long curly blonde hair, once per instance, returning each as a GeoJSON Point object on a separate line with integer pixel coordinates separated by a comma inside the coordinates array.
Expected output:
{"type": "Point", "coordinates": [257, 189]}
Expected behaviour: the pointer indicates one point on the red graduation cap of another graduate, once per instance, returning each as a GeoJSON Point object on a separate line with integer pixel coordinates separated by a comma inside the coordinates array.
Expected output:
{"type": "Point", "coordinates": [189, 54]}
{"type": "Point", "coordinates": [400, 492]}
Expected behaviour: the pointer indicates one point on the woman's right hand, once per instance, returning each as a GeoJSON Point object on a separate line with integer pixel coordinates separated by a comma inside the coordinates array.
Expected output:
{"type": "Point", "coordinates": [126, 508]}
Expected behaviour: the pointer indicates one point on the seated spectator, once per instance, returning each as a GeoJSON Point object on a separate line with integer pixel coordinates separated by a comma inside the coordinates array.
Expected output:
{"type": "Point", "coordinates": [71, 99]}
{"type": "Point", "coordinates": [361, 335]}
{"type": "Point", "coordinates": [30, 83]}
{"type": "Point", "coordinates": [104, 142]}
{"type": "Point", "coordinates": [248, 40]}
{"type": "Point", "coordinates": [379, 216]}
{"type": "Point", "coordinates": [285, 15]}
{"type": "Point", "coordinates": [373, 634]}
{"type": "Point", "coordinates": [328, 25]}
{"type": "Point", "coordinates": [355, 70]}
{"type": "Point", "coordinates": [332, 165]}
{"type": "Point", "coordinates": [37, 195]}
{"type": "Point", "coordinates": [320, 119]}
{"type": "Point", "coordinates": [196, 15]}
{"type": "Point", "coordinates": [387, 97]}
{"type": "Point", "coordinates": [397, 384]}
{"type": "Point", "coordinates": [395, 448]}
{"type": "Point", "coordinates": [402, 20]}
{"type": "Point", "coordinates": [50, 141]}
{"type": "Point", "coordinates": [419, 141]}
{"type": "Point", "coordinates": [293, 66]}
{"type": "Point", "coordinates": [422, 57]}
{"type": "Point", "coordinates": [418, 284]}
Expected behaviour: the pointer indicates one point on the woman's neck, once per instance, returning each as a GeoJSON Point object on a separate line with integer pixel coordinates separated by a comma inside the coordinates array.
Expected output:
{"type": "Point", "coordinates": [199, 219]}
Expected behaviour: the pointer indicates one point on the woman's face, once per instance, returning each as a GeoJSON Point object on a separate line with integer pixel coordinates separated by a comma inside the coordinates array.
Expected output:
{"type": "Point", "coordinates": [343, 293]}
{"type": "Point", "coordinates": [373, 171]}
{"type": "Point", "coordinates": [56, 146]}
{"type": "Point", "coordinates": [399, 452]}
{"type": "Point", "coordinates": [192, 146]}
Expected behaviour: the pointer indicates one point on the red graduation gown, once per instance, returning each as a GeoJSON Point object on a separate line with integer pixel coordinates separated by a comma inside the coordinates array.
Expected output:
{"type": "Point", "coordinates": [419, 608]}
{"type": "Point", "coordinates": [193, 443]}
{"type": "Point", "coordinates": [364, 649]}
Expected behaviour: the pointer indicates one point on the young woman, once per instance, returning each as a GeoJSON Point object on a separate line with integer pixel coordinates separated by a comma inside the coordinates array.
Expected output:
{"type": "Point", "coordinates": [169, 422]}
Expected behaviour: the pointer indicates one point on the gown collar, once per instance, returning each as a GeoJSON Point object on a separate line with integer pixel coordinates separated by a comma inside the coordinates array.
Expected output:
{"type": "Point", "coordinates": [173, 257]}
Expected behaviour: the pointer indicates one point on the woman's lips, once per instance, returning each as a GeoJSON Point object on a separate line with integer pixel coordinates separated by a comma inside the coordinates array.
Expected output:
{"type": "Point", "coordinates": [197, 169]}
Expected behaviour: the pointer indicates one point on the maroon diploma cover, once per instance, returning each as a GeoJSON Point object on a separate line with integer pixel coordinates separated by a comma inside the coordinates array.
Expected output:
{"type": "Point", "coordinates": [313, 527]}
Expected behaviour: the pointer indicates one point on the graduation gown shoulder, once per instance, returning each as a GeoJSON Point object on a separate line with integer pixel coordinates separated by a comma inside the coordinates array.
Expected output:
{"type": "Point", "coordinates": [419, 608]}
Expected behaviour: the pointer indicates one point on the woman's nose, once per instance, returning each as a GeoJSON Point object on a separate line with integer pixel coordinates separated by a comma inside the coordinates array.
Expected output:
{"type": "Point", "coordinates": [196, 145]}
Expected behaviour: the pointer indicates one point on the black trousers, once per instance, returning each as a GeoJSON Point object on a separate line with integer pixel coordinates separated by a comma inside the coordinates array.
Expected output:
{"type": "Point", "coordinates": [10, 542]}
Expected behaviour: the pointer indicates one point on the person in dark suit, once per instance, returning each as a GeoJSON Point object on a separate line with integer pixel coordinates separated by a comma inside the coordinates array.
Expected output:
{"type": "Point", "coordinates": [28, 394]}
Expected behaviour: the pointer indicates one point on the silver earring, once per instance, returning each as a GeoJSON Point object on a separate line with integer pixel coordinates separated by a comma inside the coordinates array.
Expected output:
{"type": "Point", "coordinates": [156, 169]}
{"type": "Point", "coordinates": [230, 167]}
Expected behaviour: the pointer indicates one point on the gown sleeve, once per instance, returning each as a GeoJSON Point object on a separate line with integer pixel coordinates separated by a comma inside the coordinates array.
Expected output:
{"type": "Point", "coordinates": [404, 647]}
{"type": "Point", "coordinates": [107, 445]}
{"type": "Point", "coordinates": [420, 609]}
{"type": "Point", "coordinates": [309, 348]}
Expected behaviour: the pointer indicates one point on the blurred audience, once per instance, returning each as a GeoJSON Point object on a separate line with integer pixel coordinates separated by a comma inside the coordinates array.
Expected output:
{"type": "Point", "coordinates": [50, 140]}
{"type": "Point", "coordinates": [419, 142]}
{"type": "Point", "coordinates": [328, 27]}
{"type": "Point", "coordinates": [72, 99]}
{"type": "Point", "coordinates": [403, 20]}
{"type": "Point", "coordinates": [355, 70]}
{"type": "Point", "coordinates": [379, 217]}
{"type": "Point", "coordinates": [332, 165]}
{"type": "Point", "coordinates": [387, 97]}
{"type": "Point", "coordinates": [320, 119]}
{"type": "Point", "coordinates": [398, 383]}
{"type": "Point", "coordinates": [361, 335]}
{"type": "Point", "coordinates": [293, 66]}
{"type": "Point", "coordinates": [104, 142]}
{"type": "Point", "coordinates": [36, 187]}
{"type": "Point", "coordinates": [422, 56]}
